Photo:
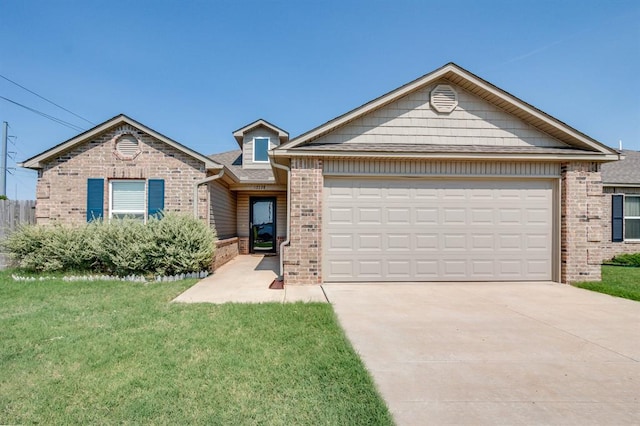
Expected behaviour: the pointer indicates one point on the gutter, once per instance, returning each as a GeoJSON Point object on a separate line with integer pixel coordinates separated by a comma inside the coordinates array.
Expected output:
{"type": "Point", "coordinates": [287, 241]}
{"type": "Point", "coordinates": [449, 156]}
{"type": "Point", "coordinates": [197, 185]}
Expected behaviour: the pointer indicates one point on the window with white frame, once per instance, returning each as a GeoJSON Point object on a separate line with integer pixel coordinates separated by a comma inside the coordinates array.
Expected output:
{"type": "Point", "coordinates": [261, 150]}
{"type": "Point", "coordinates": [127, 198]}
{"type": "Point", "coordinates": [632, 217]}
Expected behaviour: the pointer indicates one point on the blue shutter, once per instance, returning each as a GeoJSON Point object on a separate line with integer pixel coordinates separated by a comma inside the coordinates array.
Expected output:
{"type": "Point", "coordinates": [155, 198]}
{"type": "Point", "coordinates": [617, 218]}
{"type": "Point", "coordinates": [95, 199]}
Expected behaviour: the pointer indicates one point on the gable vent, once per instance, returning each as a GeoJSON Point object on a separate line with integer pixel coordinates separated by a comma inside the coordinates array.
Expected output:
{"type": "Point", "coordinates": [444, 98]}
{"type": "Point", "coordinates": [127, 146]}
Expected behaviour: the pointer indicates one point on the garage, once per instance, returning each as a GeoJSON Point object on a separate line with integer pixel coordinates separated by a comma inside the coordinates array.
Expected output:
{"type": "Point", "coordinates": [418, 229]}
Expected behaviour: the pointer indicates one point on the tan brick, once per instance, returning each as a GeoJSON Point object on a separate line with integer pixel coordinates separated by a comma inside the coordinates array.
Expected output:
{"type": "Point", "coordinates": [61, 191]}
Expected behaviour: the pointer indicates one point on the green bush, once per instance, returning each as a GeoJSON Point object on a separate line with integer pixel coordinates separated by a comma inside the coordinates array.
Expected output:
{"type": "Point", "coordinates": [174, 244]}
{"type": "Point", "coordinates": [180, 245]}
{"type": "Point", "coordinates": [632, 259]}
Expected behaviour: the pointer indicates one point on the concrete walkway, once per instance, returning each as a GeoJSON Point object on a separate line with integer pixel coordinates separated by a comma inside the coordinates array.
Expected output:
{"type": "Point", "coordinates": [496, 353]}
{"type": "Point", "coordinates": [246, 279]}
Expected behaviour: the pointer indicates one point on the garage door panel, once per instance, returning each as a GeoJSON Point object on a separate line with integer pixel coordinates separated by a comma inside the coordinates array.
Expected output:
{"type": "Point", "coordinates": [435, 230]}
{"type": "Point", "coordinates": [368, 216]}
{"type": "Point", "coordinates": [426, 242]}
{"type": "Point", "coordinates": [340, 242]}
{"type": "Point", "coordinates": [343, 215]}
{"type": "Point", "coordinates": [426, 216]}
{"type": "Point", "coordinates": [398, 242]}
{"type": "Point", "coordinates": [455, 242]}
{"type": "Point", "coordinates": [398, 216]}
{"type": "Point", "coordinates": [481, 216]}
{"type": "Point", "coordinates": [454, 216]}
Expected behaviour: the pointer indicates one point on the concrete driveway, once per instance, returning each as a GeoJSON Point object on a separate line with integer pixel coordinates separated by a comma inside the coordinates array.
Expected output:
{"type": "Point", "coordinates": [496, 353]}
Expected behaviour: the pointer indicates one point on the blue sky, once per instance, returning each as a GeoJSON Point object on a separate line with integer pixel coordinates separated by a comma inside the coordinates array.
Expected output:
{"type": "Point", "coordinates": [197, 70]}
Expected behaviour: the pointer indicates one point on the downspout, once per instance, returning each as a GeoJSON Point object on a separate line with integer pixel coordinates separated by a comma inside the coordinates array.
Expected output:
{"type": "Point", "coordinates": [285, 242]}
{"type": "Point", "coordinates": [197, 185]}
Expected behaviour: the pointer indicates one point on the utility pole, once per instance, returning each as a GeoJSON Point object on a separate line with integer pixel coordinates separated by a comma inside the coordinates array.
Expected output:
{"type": "Point", "coordinates": [3, 160]}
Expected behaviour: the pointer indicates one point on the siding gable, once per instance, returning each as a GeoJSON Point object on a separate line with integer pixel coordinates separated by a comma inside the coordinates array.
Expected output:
{"type": "Point", "coordinates": [411, 120]}
{"type": "Point", "coordinates": [247, 147]}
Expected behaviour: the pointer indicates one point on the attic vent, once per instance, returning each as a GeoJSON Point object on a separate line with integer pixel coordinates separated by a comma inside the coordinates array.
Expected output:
{"type": "Point", "coordinates": [127, 146]}
{"type": "Point", "coordinates": [444, 98]}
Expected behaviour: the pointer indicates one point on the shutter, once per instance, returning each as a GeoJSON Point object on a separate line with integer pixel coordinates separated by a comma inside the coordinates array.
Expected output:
{"type": "Point", "coordinates": [156, 197]}
{"type": "Point", "coordinates": [617, 218]}
{"type": "Point", "coordinates": [95, 199]}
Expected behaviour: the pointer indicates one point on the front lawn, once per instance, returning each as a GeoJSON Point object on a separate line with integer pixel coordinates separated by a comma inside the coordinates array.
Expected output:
{"type": "Point", "coordinates": [114, 352]}
{"type": "Point", "coordinates": [617, 281]}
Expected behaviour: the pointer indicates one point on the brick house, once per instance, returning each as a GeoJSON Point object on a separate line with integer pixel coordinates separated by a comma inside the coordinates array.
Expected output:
{"type": "Point", "coordinates": [447, 178]}
{"type": "Point", "coordinates": [621, 205]}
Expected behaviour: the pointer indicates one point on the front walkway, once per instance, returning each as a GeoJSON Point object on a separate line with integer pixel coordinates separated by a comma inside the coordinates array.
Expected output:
{"type": "Point", "coordinates": [246, 279]}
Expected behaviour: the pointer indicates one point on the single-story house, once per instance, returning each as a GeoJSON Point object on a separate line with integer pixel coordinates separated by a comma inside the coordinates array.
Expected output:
{"type": "Point", "coordinates": [621, 205]}
{"type": "Point", "coordinates": [447, 178]}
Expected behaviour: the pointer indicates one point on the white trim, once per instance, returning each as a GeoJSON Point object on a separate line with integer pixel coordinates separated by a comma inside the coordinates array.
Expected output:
{"type": "Point", "coordinates": [446, 155]}
{"type": "Point", "coordinates": [625, 217]}
{"type": "Point", "coordinates": [146, 194]}
{"type": "Point", "coordinates": [253, 152]}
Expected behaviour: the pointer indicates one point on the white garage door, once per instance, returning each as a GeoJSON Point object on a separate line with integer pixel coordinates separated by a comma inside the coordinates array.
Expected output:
{"type": "Point", "coordinates": [437, 230]}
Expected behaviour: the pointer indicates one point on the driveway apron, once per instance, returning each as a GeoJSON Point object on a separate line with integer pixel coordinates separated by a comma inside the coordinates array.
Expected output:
{"type": "Point", "coordinates": [496, 353]}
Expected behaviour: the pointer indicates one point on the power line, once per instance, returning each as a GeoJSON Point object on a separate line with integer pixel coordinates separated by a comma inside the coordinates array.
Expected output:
{"type": "Point", "coordinates": [51, 102]}
{"type": "Point", "coordinates": [50, 117]}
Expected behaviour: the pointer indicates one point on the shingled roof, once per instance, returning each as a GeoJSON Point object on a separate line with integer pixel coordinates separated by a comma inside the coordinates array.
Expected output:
{"type": "Point", "coordinates": [623, 172]}
{"type": "Point", "coordinates": [233, 161]}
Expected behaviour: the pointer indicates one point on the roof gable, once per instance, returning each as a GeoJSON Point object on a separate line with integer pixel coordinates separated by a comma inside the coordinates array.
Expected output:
{"type": "Point", "coordinates": [37, 161]}
{"type": "Point", "coordinates": [283, 135]}
{"type": "Point", "coordinates": [456, 76]}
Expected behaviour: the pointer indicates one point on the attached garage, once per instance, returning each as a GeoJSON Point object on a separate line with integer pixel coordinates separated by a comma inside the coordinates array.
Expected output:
{"type": "Point", "coordinates": [446, 178]}
{"type": "Point", "coordinates": [419, 229]}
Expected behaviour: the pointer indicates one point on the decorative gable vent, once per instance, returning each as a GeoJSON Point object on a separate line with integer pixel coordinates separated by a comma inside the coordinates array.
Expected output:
{"type": "Point", "coordinates": [444, 98]}
{"type": "Point", "coordinates": [127, 146]}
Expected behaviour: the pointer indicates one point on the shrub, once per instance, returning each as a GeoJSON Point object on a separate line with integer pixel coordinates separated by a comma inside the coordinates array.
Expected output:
{"type": "Point", "coordinates": [121, 247]}
{"type": "Point", "coordinates": [182, 244]}
{"type": "Point", "coordinates": [52, 248]}
{"type": "Point", "coordinates": [174, 244]}
{"type": "Point", "coordinates": [632, 259]}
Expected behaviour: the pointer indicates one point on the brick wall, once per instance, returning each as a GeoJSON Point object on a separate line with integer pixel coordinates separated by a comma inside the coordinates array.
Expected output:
{"type": "Point", "coordinates": [226, 250]}
{"type": "Point", "coordinates": [61, 192]}
{"type": "Point", "coordinates": [581, 211]}
{"type": "Point", "coordinates": [609, 248]}
{"type": "Point", "coordinates": [303, 257]}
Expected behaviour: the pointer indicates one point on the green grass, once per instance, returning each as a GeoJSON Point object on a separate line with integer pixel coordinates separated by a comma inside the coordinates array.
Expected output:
{"type": "Point", "coordinates": [114, 352]}
{"type": "Point", "coordinates": [617, 281]}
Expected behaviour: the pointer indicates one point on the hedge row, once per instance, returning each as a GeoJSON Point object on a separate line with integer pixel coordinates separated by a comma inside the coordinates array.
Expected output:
{"type": "Point", "coordinates": [632, 259]}
{"type": "Point", "coordinates": [173, 244]}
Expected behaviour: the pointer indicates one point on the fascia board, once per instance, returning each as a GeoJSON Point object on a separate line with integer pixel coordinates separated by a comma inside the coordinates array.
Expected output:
{"type": "Point", "coordinates": [453, 156]}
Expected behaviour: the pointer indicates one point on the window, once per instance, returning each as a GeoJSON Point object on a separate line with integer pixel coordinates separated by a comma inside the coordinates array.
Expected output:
{"type": "Point", "coordinates": [128, 199]}
{"type": "Point", "coordinates": [135, 198]}
{"type": "Point", "coordinates": [631, 217]}
{"type": "Point", "coordinates": [261, 150]}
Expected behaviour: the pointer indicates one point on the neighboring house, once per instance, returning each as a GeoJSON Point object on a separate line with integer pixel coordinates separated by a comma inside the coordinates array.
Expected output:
{"type": "Point", "coordinates": [447, 178]}
{"type": "Point", "coordinates": [621, 206]}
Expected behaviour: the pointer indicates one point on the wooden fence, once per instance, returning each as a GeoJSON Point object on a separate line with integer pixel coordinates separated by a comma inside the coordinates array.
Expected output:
{"type": "Point", "coordinates": [12, 215]}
